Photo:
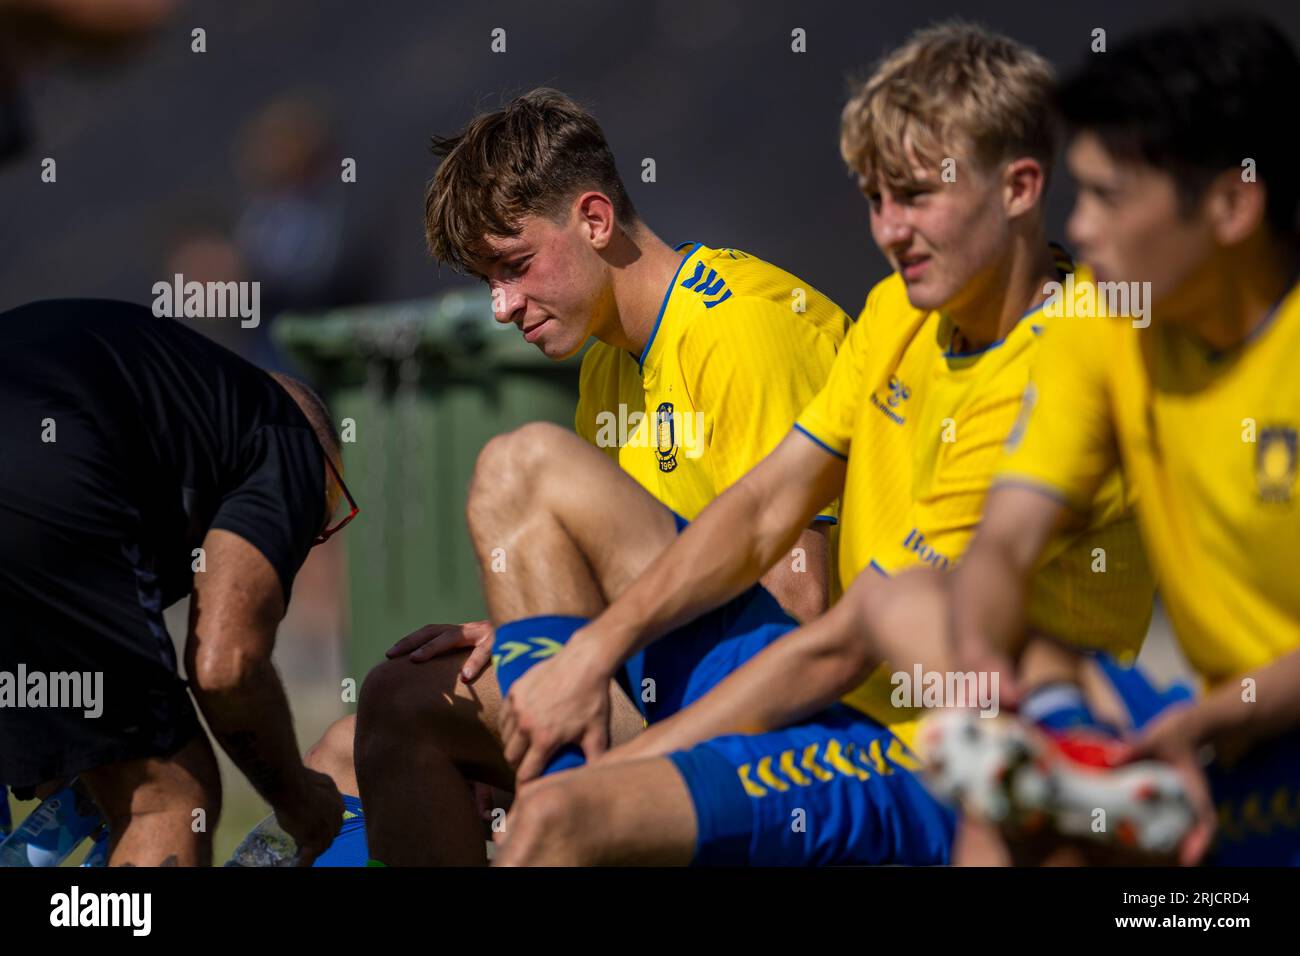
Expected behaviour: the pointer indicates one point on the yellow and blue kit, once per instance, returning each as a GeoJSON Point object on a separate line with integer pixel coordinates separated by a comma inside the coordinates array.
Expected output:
{"type": "Point", "coordinates": [1208, 442]}
{"type": "Point", "coordinates": [738, 348]}
{"type": "Point", "coordinates": [923, 430]}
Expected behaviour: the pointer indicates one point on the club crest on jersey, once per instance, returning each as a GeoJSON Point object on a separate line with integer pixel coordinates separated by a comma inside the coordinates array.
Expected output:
{"type": "Point", "coordinates": [1275, 464]}
{"type": "Point", "coordinates": [665, 437]}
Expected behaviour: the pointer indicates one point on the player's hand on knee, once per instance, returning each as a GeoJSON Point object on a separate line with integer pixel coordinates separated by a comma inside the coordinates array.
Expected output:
{"type": "Point", "coordinates": [434, 640]}
{"type": "Point", "coordinates": [311, 815]}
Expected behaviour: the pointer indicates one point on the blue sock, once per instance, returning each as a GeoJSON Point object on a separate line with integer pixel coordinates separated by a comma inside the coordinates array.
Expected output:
{"type": "Point", "coordinates": [1141, 698]}
{"type": "Point", "coordinates": [349, 847]}
{"type": "Point", "coordinates": [1061, 707]}
{"type": "Point", "coordinates": [519, 645]}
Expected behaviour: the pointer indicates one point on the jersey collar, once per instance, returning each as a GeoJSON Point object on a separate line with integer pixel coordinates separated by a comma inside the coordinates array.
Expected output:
{"type": "Point", "coordinates": [1257, 332]}
{"type": "Point", "coordinates": [668, 294]}
{"type": "Point", "coordinates": [1064, 264]}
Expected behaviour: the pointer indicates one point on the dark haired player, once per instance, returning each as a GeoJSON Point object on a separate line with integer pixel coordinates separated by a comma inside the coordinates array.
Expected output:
{"type": "Point", "coordinates": [1186, 179]}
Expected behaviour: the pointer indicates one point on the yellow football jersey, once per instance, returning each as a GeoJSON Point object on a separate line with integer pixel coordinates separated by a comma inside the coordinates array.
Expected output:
{"type": "Point", "coordinates": [1208, 442]}
{"type": "Point", "coordinates": [923, 430]}
{"type": "Point", "coordinates": [738, 349]}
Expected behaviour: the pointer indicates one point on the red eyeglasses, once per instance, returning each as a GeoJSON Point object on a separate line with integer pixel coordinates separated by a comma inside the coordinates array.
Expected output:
{"type": "Point", "coordinates": [352, 504]}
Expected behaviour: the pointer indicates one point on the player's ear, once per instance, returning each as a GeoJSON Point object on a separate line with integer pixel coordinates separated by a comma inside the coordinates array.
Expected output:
{"type": "Point", "coordinates": [1023, 181]}
{"type": "Point", "coordinates": [1235, 208]}
{"type": "Point", "coordinates": [596, 217]}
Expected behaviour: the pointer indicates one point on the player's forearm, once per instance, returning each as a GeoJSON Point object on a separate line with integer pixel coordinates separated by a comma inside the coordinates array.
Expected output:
{"type": "Point", "coordinates": [799, 675]}
{"type": "Point", "coordinates": [1240, 714]}
{"type": "Point", "coordinates": [724, 551]}
{"type": "Point", "coordinates": [988, 596]}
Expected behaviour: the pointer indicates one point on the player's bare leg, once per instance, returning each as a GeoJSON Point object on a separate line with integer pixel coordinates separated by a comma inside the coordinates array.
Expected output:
{"type": "Point", "coordinates": [572, 529]}
{"type": "Point", "coordinates": [150, 806]}
{"type": "Point", "coordinates": [558, 527]}
{"type": "Point", "coordinates": [636, 812]}
{"type": "Point", "coordinates": [332, 754]}
{"type": "Point", "coordinates": [423, 736]}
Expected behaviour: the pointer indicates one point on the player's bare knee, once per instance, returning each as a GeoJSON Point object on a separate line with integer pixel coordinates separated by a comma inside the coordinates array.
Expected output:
{"type": "Point", "coordinates": [508, 462]}
{"type": "Point", "coordinates": [332, 754]}
{"type": "Point", "coordinates": [383, 699]}
{"type": "Point", "coordinates": [508, 466]}
{"type": "Point", "coordinates": [402, 704]}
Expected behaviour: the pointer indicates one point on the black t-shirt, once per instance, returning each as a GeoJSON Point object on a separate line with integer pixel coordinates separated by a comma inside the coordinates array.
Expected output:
{"type": "Point", "coordinates": [116, 426]}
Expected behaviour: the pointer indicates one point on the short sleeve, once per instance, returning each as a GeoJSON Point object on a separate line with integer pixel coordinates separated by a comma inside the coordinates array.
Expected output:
{"type": "Point", "coordinates": [1064, 441]}
{"type": "Point", "coordinates": [830, 418]}
{"type": "Point", "coordinates": [751, 370]}
{"type": "Point", "coordinates": [279, 503]}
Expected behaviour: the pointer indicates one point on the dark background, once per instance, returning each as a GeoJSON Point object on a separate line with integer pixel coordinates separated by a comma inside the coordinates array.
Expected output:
{"type": "Point", "coordinates": [743, 131]}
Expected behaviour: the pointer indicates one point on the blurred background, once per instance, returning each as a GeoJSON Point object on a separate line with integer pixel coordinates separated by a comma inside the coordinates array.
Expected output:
{"type": "Point", "coordinates": [227, 164]}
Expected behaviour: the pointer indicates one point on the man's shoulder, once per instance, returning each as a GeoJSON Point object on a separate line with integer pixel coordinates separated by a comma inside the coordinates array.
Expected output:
{"type": "Point", "coordinates": [728, 291]}
{"type": "Point", "coordinates": [732, 280]}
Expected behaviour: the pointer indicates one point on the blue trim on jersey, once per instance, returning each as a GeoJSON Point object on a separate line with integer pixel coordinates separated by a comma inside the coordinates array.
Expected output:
{"type": "Point", "coordinates": [828, 519]}
{"type": "Point", "coordinates": [874, 566]}
{"type": "Point", "coordinates": [1258, 330]}
{"type": "Point", "coordinates": [950, 354]}
{"type": "Point", "coordinates": [663, 306]}
{"type": "Point", "coordinates": [1062, 259]}
{"type": "Point", "coordinates": [813, 438]}
{"type": "Point", "coordinates": [1041, 487]}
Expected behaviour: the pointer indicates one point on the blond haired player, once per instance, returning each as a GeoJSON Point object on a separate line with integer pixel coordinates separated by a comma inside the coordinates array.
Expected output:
{"type": "Point", "coordinates": [773, 767]}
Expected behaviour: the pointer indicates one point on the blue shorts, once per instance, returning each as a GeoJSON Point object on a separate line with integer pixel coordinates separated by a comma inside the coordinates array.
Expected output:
{"type": "Point", "coordinates": [839, 788]}
{"type": "Point", "coordinates": [685, 664]}
{"type": "Point", "coordinates": [1257, 797]}
{"type": "Point", "coordinates": [670, 674]}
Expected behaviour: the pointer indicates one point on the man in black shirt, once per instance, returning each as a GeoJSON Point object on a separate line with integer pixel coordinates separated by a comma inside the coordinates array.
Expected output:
{"type": "Point", "coordinates": [140, 463]}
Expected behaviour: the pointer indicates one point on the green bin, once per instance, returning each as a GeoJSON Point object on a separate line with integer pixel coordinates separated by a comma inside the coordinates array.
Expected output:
{"type": "Point", "coordinates": [424, 385]}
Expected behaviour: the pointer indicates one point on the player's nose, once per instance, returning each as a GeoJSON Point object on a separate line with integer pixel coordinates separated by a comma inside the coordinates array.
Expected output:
{"type": "Point", "coordinates": [1079, 228]}
{"type": "Point", "coordinates": [893, 231]}
{"type": "Point", "coordinates": [508, 305]}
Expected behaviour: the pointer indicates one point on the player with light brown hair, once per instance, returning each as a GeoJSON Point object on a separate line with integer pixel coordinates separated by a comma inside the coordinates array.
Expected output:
{"type": "Point", "coordinates": [708, 353]}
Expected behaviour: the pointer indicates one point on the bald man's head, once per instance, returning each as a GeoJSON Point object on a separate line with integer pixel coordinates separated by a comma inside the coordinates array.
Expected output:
{"type": "Point", "coordinates": [313, 406]}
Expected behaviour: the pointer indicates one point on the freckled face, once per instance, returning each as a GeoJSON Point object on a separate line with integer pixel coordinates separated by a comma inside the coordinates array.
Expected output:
{"type": "Point", "coordinates": [549, 283]}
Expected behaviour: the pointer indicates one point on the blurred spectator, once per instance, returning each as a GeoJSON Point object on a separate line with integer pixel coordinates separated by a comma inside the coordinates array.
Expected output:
{"type": "Point", "coordinates": [296, 234]}
{"type": "Point", "coordinates": [30, 30]}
